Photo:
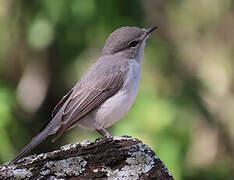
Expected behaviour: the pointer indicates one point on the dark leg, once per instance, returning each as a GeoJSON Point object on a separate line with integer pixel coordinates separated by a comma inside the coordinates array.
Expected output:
{"type": "Point", "coordinates": [104, 132]}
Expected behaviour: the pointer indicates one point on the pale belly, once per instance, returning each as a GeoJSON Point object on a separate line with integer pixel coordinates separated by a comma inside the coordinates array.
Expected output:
{"type": "Point", "coordinates": [114, 108]}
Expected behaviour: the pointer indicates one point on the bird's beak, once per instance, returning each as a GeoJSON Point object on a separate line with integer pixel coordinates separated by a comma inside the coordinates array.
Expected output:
{"type": "Point", "coordinates": [148, 31]}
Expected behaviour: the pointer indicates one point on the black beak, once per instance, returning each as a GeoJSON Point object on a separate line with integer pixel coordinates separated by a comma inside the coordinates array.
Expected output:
{"type": "Point", "coordinates": [148, 31]}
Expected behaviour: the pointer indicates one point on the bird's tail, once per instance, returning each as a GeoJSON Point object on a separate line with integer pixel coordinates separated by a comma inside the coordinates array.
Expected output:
{"type": "Point", "coordinates": [48, 130]}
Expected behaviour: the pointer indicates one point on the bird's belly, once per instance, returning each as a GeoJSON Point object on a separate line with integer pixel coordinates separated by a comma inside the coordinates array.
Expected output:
{"type": "Point", "coordinates": [114, 108]}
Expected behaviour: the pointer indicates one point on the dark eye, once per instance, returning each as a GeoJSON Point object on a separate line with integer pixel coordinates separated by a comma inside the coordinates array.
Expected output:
{"type": "Point", "coordinates": [133, 44]}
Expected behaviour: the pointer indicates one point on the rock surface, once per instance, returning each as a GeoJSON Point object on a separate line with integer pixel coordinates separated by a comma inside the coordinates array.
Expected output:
{"type": "Point", "coordinates": [106, 158]}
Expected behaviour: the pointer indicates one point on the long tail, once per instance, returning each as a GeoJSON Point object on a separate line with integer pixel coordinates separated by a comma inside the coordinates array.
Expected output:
{"type": "Point", "coordinates": [35, 141]}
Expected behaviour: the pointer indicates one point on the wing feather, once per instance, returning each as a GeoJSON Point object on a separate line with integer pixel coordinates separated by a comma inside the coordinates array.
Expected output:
{"type": "Point", "coordinates": [61, 103]}
{"type": "Point", "coordinates": [88, 95]}
{"type": "Point", "coordinates": [79, 106]}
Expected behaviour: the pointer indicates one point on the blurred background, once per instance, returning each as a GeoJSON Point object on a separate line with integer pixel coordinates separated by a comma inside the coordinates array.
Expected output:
{"type": "Point", "coordinates": [185, 105]}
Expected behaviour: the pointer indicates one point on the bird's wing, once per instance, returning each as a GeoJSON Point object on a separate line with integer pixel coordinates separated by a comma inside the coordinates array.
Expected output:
{"type": "Point", "coordinates": [88, 96]}
{"type": "Point", "coordinates": [61, 103]}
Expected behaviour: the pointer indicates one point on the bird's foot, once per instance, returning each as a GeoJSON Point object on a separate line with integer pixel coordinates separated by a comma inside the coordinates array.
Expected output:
{"type": "Point", "coordinates": [104, 132]}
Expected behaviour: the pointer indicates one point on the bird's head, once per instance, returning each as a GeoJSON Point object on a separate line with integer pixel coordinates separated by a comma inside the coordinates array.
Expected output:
{"type": "Point", "coordinates": [127, 42]}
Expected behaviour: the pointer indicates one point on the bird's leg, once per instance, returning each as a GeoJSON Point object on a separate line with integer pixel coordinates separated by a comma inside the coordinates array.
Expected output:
{"type": "Point", "coordinates": [104, 132]}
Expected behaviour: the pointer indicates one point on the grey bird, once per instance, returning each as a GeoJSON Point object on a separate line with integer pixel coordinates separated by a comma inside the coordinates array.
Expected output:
{"type": "Point", "coordinates": [106, 91]}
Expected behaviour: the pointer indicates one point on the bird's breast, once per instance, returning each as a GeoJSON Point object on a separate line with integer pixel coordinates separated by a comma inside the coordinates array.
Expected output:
{"type": "Point", "coordinates": [114, 108]}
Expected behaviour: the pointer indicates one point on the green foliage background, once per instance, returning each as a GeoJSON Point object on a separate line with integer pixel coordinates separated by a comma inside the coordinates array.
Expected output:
{"type": "Point", "coordinates": [184, 108]}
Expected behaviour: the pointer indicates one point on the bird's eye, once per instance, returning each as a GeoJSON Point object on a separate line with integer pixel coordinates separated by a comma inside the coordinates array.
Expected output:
{"type": "Point", "coordinates": [133, 44]}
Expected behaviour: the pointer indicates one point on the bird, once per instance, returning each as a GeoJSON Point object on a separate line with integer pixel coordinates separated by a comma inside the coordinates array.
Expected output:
{"type": "Point", "coordinates": [106, 91]}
